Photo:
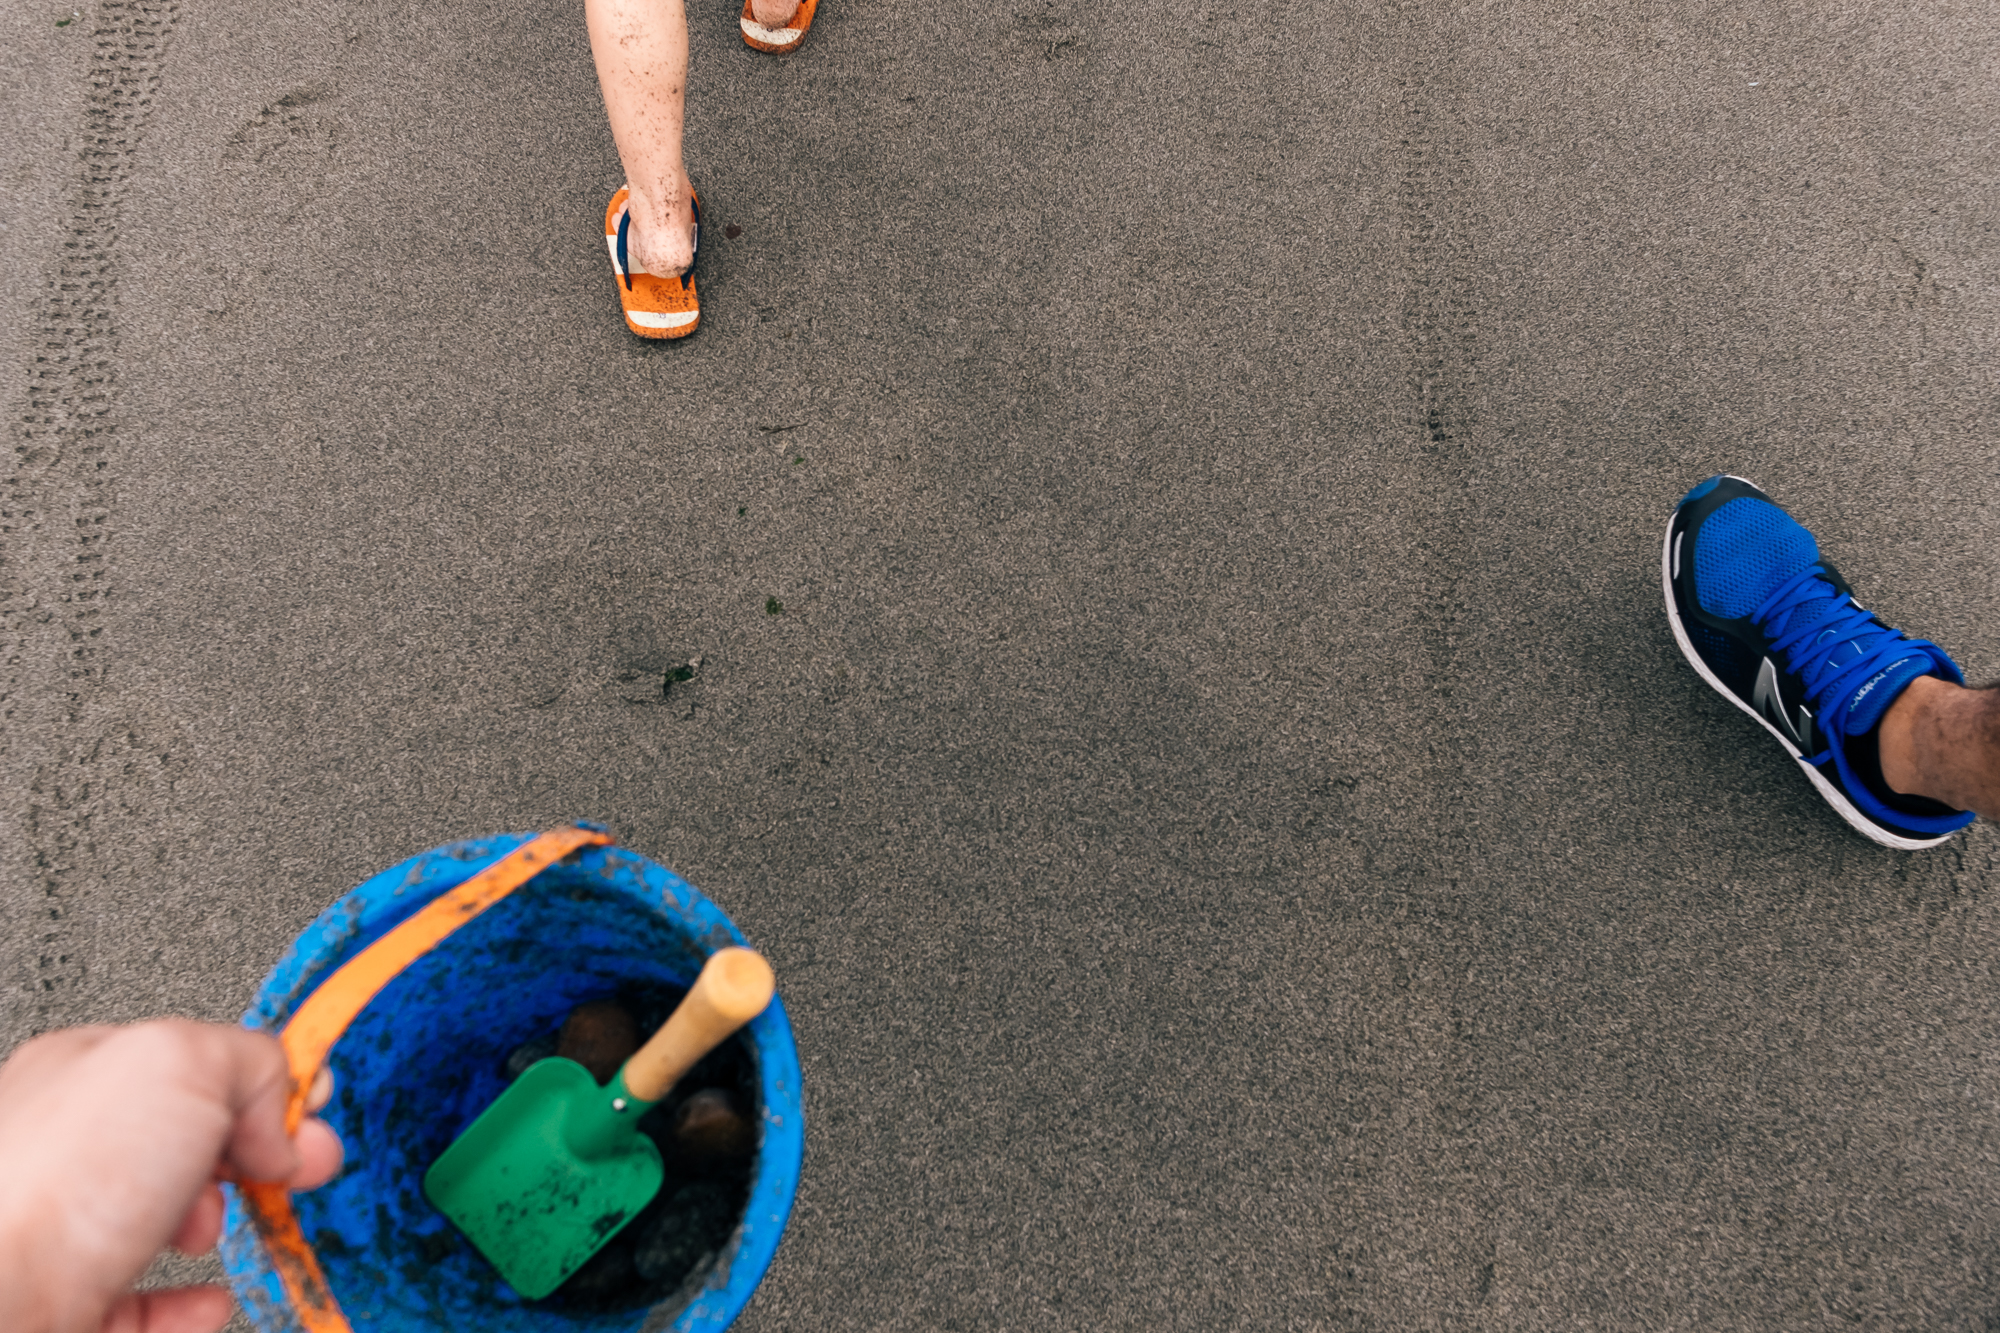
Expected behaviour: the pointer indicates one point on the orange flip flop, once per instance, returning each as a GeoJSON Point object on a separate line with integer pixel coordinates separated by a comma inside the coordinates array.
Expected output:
{"type": "Point", "coordinates": [655, 307]}
{"type": "Point", "coordinates": [781, 40]}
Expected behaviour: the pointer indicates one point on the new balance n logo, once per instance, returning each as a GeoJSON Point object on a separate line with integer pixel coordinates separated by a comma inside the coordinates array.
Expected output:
{"type": "Point", "coordinates": [1767, 700]}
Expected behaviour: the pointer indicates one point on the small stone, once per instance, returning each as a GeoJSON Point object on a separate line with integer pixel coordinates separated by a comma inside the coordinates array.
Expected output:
{"type": "Point", "coordinates": [690, 1225]}
{"type": "Point", "coordinates": [710, 1131]}
{"type": "Point", "coordinates": [528, 1053]}
{"type": "Point", "coordinates": [601, 1036]}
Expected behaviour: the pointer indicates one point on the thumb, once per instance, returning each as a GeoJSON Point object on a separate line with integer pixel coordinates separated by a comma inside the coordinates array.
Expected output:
{"type": "Point", "coordinates": [250, 1076]}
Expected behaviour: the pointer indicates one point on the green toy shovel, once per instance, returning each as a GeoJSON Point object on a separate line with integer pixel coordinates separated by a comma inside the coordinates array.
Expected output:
{"type": "Point", "coordinates": [556, 1166]}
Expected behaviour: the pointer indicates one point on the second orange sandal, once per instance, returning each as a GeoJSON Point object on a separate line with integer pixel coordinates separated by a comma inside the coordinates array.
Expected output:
{"type": "Point", "coordinates": [782, 40]}
{"type": "Point", "coordinates": [655, 307]}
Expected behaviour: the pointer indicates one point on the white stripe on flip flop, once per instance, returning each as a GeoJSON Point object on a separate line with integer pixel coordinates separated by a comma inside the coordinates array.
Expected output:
{"type": "Point", "coordinates": [647, 319]}
{"type": "Point", "coordinates": [611, 244]}
{"type": "Point", "coordinates": [775, 36]}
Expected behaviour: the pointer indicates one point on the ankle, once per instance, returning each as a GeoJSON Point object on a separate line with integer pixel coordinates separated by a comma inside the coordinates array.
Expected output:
{"type": "Point", "coordinates": [661, 239]}
{"type": "Point", "coordinates": [1911, 721]}
{"type": "Point", "coordinates": [1942, 741]}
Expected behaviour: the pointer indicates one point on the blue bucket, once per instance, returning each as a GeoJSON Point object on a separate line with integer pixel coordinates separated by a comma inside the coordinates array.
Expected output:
{"type": "Point", "coordinates": [426, 1056]}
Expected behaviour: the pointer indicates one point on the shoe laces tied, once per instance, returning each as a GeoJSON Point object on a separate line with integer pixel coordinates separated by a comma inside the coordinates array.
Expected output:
{"type": "Point", "coordinates": [1835, 651]}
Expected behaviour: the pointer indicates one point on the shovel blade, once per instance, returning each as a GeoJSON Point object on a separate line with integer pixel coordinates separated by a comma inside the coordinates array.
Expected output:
{"type": "Point", "coordinates": [516, 1183]}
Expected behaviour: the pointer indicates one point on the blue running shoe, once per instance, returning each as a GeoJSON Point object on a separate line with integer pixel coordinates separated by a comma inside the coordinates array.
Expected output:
{"type": "Point", "coordinates": [1774, 628]}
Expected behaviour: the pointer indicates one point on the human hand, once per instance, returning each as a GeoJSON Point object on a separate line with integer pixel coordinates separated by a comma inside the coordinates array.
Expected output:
{"type": "Point", "coordinates": [111, 1141]}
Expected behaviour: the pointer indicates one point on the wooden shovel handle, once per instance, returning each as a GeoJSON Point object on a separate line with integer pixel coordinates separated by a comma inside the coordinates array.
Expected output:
{"type": "Point", "coordinates": [734, 987]}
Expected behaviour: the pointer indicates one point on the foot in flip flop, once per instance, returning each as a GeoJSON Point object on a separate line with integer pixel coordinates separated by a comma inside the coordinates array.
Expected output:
{"type": "Point", "coordinates": [656, 306]}
{"type": "Point", "coordinates": [1774, 628]}
{"type": "Point", "coordinates": [776, 25]}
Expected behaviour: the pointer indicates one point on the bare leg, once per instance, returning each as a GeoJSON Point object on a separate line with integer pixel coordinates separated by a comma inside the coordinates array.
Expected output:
{"type": "Point", "coordinates": [1943, 741]}
{"type": "Point", "coordinates": [641, 49]}
{"type": "Point", "coordinates": [773, 13]}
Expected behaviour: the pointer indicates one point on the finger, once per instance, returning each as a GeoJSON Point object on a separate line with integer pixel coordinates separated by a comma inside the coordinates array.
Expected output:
{"type": "Point", "coordinates": [242, 1075]}
{"type": "Point", "coordinates": [111, 1138]}
{"type": "Point", "coordinates": [177, 1310]}
{"type": "Point", "coordinates": [33, 1061]}
{"type": "Point", "coordinates": [322, 1089]}
{"type": "Point", "coordinates": [320, 1155]}
{"type": "Point", "coordinates": [202, 1226]}
{"type": "Point", "coordinates": [246, 1071]}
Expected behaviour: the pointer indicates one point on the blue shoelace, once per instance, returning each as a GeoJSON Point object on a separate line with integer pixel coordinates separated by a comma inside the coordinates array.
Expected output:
{"type": "Point", "coordinates": [1814, 650]}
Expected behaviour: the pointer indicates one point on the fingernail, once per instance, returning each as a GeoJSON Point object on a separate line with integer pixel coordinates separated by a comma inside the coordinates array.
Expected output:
{"type": "Point", "coordinates": [322, 1089]}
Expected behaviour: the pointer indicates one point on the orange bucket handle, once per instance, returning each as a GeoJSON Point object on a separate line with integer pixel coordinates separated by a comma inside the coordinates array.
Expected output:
{"type": "Point", "coordinates": [317, 1023]}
